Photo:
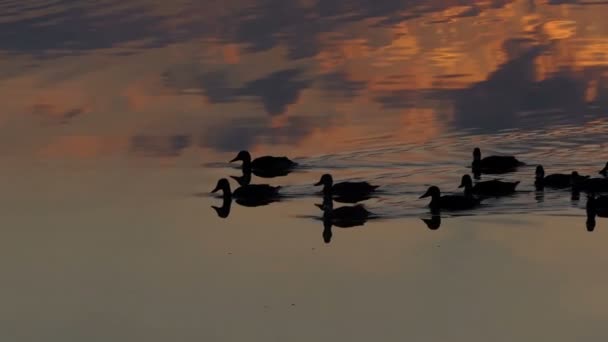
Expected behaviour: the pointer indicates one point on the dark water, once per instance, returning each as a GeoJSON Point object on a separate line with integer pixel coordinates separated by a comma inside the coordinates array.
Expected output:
{"type": "Point", "coordinates": [119, 117]}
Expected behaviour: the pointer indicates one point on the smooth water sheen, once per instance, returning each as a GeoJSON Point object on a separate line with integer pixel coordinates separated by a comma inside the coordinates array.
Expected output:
{"type": "Point", "coordinates": [118, 118]}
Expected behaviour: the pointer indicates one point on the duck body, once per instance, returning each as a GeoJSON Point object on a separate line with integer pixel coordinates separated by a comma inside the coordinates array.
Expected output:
{"type": "Point", "coordinates": [493, 187]}
{"type": "Point", "coordinates": [450, 202]}
{"type": "Point", "coordinates": [256, 191]}
{"type": "Point", "coordinates": [494, 164]}
{"type": "Point", "coordinates": [265, 166]}
{"type": "Point", "coordinates": [557, 180]}
{"type": "Point", "coordinates": [347, 192]}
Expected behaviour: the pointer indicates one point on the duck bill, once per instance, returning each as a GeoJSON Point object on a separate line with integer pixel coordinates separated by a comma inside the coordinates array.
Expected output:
{"type": "Point", "coordinates": [318, 183]}
{"type": "Point", "coordinates": [217, 188]}
{"type": "Point", "coordinates": [461, 185]}
{"type": "Point", "coordinates": [235, 159]}
{"type": "Point", "coordinates": [424, 196]}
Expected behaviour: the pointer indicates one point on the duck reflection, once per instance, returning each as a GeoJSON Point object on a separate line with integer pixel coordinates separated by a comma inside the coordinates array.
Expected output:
{"type": "Point", "coordinates": [433, 223]}
{"type": "Point", "coordinates": [556, 180]}
{"type": "Point", "coordinates": [266, 166]}
{"type": "Point", "coordinates": [590, 185]}
{"type": "Point", "coordinates": [224, 210]}
{"type": "Point", "coordinates": [596, 206]}
{"type": "Point", "coordinates": [343, 217]}
{"type": "Point", "coordinates": [250, 195]}
{"type": "Point", "coordinates": [243, 180]}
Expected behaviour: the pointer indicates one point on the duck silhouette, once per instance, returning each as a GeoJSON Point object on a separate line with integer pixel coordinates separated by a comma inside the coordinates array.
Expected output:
{"type": "Point", "coordinates": [342, 217]}
{"type": "Point", "coordinates": [604, 171]}
{"type": "Point", "coordinates": [556, 180]}
{"type": "Point", "coordinates": [493, 164]}
{"type": "Point", "coordinates": [433, 223]}
{"type": "Point", "coordinates": [252, 195]}
{"type": "Point", "coordinates": [492, 188]}
{"type": "Point", "coordinates": [266, 166]}
{"type": "Point", "coordinates": [449, 202]}
{"type": "Point", "coordinates": [346, 192]}
{"type": "Point", "coordinates": [596, 206]}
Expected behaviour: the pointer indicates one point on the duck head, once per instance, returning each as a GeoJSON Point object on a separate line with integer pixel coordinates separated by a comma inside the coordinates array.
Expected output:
{"type": "Point", "coordinates": [604, 171]}
{"type": "Point", "coordinates": [476, 154]}
{"type": "Point", "coordinates": [224, 186]}
{"type": "Point", "coordinates": [243, 156]}
{"type": "Point", "coordinates": [466, 182]}
{"type": "Point", "coordinates": [540, 172]}
{"type": "Point", "coordinates": [327, 181]}
{"type": "Point", "coordinates": [432, 192]}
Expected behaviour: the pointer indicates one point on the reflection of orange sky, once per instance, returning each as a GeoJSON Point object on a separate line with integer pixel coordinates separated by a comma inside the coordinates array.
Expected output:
{"type": "Point", "coordinates": [126, 95]}
{"type": "Point", "coordinates": [83, 147]}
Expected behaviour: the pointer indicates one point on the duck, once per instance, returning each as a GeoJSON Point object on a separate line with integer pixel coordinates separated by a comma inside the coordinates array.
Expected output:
{"type": "Point", "coordinates": [604, 171]}
{"type": "Point", "coordinates": [346, 192]}
{"type": "Point", "coordinates": [557, 180]}
{"type": "Point", "coordinates": [493, 187]}
{"type": "Point", "coordinates": [251, 195]}
{"type": "Point", "coordinates": [266, 166]}
{"type": "Point", "coordinates": [494, 164]}
{"type": "Point", "coordinates": [449, 202]}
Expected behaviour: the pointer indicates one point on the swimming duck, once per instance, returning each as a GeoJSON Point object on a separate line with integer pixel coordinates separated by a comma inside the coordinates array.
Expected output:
{"type": "Point", "coordinates": [265, 166]}
{"type": "Point", "coordinates": [449, 202]}
{"type": "Point", "coordinates": [604, 171]}
{"type": "Point", "coordinates": [557, 180]}
{"type": "Point", "coordinates": [252, 195]}
{"type": "Point", "coordinates": [493, 187]}
{"type": "Point", "coordinates": [347, 192]}
{"type": "Point", "coordinates": [493, 164]}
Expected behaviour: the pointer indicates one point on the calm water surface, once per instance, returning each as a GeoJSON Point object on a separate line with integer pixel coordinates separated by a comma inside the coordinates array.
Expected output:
{"type": "Point", "coordinates": [119, 117]}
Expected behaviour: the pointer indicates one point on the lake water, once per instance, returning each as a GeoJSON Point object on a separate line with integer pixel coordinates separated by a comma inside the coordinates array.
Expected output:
{"type": "Point", "coordinates": [119, 118]}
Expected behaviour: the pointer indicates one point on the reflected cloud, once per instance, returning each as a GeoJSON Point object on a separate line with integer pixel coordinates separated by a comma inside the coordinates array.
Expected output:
{"type": "Point", "coordinates": [243, 134]}
{"type": "Point", "coordinates": [277, 90]}
{"type": "Point", "coordinates": [160, 146]}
